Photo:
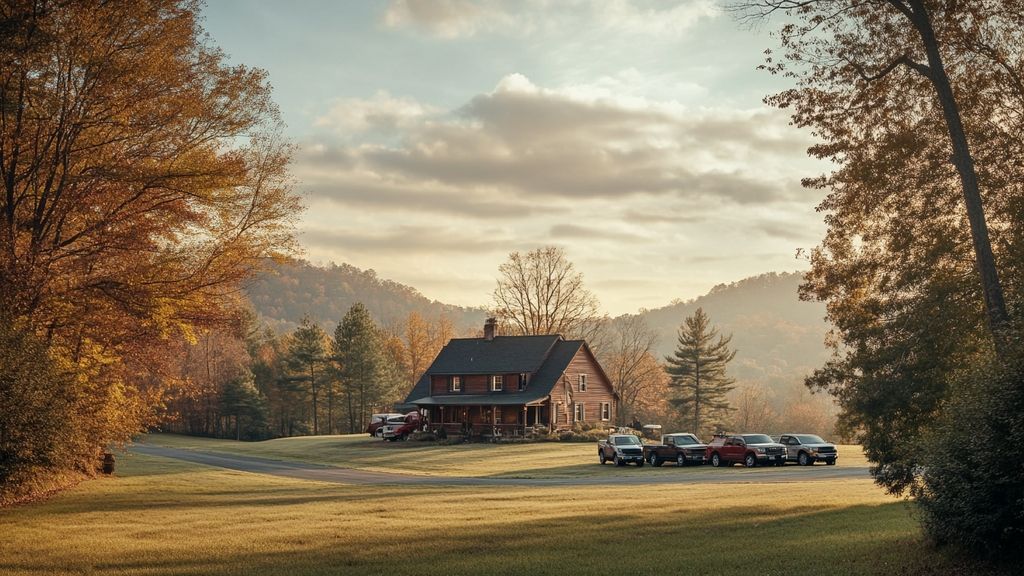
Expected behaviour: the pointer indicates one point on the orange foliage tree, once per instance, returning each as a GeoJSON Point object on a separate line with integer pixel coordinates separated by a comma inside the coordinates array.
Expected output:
{"type": "Point", "coordinates": [141, 179]}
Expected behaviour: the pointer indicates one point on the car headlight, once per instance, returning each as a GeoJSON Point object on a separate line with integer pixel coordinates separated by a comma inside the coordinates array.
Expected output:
{"type": "Point", "coordinates": [760, 450]}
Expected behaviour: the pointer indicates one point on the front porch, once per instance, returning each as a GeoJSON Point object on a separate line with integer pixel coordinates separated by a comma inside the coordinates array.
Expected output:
{"type": "Point", "coordinates": [487, 421]}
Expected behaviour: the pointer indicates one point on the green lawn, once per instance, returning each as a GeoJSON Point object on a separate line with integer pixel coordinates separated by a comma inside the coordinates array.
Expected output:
{"type": "Point", "coordinates": [160, 516]}
{"type": "Point", "coordinates": [534, 460]}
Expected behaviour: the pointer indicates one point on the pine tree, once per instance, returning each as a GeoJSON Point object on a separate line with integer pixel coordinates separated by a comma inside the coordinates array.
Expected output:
{"type": "Point", "coordinates": [357, 349]}
{"type": "Point", "coordinates": [304, 353]}
{"type": "Point", "coordinates": [697, 371]}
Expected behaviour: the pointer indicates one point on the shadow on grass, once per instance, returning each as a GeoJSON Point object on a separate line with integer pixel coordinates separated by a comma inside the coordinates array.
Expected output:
{"type": "Point", "coordinates": [863, 539]}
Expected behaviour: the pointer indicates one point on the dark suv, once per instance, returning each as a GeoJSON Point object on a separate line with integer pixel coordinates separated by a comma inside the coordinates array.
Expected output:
{"type": "Point", "coordinates": [750, 449]}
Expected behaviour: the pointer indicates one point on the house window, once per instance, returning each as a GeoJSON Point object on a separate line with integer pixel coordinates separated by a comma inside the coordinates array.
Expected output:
{"type": "Point", "coordinates": [606, 411]}
{"type": "Point", "coordinates": [578, 416]}
{"type": "Point", "coordinates": [455, 384]}
{"type": "Point", "coordinates": [583, 383]}
{"type": "Point", "coordinates": [497, 383]}
{"type": "Point", "coordinates": [497, 415]}
{"type": "Point", "coordinates": [524, 379]}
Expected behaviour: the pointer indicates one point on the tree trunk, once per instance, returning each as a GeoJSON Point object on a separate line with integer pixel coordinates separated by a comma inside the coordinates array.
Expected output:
{"type": "Point", "coordinates": [312, 381]}
{"type": "Point", "coordinates": [998, 318]}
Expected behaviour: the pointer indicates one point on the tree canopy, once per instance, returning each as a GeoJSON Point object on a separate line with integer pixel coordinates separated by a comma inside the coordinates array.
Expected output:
{"type": "Point", "coordinates": [141, 179]}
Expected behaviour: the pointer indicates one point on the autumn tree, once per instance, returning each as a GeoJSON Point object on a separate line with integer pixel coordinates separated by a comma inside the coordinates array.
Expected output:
{"type": "Point", "coordinates": [698, 372]}
{"type": "Point", "coordinates": [754, 411]}
{"type": "Point", "coordinates": [418, 347]}
{"type": "Point", "coordinates": [141, 178]}
{"type": "Point", "coordinates": [541, 292]}
{"type": "Point", "coordinates": [918, 105]}
{"type": "Point", "coordinates": [630, 364]}
{"type": "Point", "coordinates": [306, 360]}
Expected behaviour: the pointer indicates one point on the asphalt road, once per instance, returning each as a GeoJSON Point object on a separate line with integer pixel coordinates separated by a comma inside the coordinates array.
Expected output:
{"type": "Point", "coordinates": [306, 471]}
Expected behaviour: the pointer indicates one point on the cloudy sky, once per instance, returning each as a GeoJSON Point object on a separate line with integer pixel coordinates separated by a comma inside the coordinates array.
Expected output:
{"type": "Point", "coordinates": [437, 136]}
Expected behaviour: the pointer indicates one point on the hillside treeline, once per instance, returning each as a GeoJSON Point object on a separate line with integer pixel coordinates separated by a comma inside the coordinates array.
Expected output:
{"type": "Point", "coordinates": [251, 383]}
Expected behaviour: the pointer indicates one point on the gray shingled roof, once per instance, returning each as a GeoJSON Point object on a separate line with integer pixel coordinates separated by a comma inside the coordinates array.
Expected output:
{"type": "Point", "coordinates": [546, 357]}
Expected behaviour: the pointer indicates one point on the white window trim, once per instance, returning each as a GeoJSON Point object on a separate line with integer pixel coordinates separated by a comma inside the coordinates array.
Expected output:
{"type": "Point", "coordinates": [581, 383]}
{"type": "Point", "coordinates": [606, 411]}
{"type": "Point", "coordinates": [455, 384]}
{"type": "Point", "coordinates": [497, 383]}
{"type": "Point", "coordinates": [579, 413]}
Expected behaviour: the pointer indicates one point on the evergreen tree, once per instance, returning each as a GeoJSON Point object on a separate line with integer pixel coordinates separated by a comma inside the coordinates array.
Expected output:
{"type": "Point", "coordinates": [358, 351]}
{"type": "Point", "coordinates": [697, 372]}
{"type": "Point", "coordinates": [305, 351]}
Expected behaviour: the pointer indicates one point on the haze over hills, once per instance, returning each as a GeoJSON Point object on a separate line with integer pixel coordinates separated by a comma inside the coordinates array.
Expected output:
{"type": "Point", "coordinates": [779, 338]}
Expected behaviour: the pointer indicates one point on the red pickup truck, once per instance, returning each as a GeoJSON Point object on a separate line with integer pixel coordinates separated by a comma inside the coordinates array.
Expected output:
{"type": "Point", "coordinates": [750, 449]}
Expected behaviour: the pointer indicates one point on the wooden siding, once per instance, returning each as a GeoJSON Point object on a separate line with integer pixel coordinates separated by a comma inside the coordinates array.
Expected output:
{"type": "Point", "coordinates": [599, 388]}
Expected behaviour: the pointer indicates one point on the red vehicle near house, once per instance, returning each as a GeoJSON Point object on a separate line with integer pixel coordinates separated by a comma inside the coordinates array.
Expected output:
{"type": "Point", "coordinates": [750, 449]}
{"type": "Point", "coordinates": [377, 421]}
{"type": "Point", "coordinates": [401, 430]}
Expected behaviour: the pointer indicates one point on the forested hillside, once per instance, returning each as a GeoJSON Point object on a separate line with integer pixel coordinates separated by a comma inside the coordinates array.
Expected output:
{"type": "Point", "coordinates": [287, 292]}
{"type": "Point", "coordinates": [779, 338]}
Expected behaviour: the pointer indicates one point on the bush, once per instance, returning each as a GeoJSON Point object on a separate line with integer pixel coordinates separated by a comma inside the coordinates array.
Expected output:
{"type": "Point", "coordinates": [578, 435]}
{"type": "Point", "coordinates": [424, 436]}
{"type": "Point", "coordinates": [971, 485]}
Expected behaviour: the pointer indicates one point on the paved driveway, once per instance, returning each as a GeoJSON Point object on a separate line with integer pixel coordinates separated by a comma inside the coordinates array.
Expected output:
{"type": "Point", "coordinates": [306, 471]}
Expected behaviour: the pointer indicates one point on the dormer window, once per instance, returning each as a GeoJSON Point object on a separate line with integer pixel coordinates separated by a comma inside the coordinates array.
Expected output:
{"type": "Point", "coordinates": [524, 380]}
{"type": "Point", "coordinates": [497, 383]}
{"type": "Point", "coordinates": [455, 383]}
{"type": "Point", "coordinates": [583, 383]}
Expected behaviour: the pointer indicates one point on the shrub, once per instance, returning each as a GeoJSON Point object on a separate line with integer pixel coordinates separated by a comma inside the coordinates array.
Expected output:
{"type": "Point", "coordinates": [971, 485]}
{"type": "Point", "coordinates": [423, 436]}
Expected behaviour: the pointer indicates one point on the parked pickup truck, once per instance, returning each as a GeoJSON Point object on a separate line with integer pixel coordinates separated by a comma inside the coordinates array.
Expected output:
{"type": "Point", "coordinates": [683, 449]}
{"type": "Point", "coordinates": [621, 449]}
{"type": "Point", "coordinates": [750, 449]}
{"type": "Point", "coordinates": [806, 449]}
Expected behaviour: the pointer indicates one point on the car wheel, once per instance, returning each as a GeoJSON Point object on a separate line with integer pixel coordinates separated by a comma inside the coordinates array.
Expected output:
{"type": "Point", "coordinates": [680, 460]}
{"type": "Point", "coordinates": [403, 437]}
{"type": "Point", "coordinates": [619, 461]}
{"type": "Point", "coordinates": [600, 457]}
{"type": "Point", "coordinates": [803, 459]}
{"type": "Point", "coordinates": [716, 460]}
{"type": "Point", "coordinates": [653, 459]}
{"type": "Point", "coordinates": [831, 462]}
{"type": "Point", "coordinates": [378, 433]}
{"type": "Point", "coordinates": [750, 461]}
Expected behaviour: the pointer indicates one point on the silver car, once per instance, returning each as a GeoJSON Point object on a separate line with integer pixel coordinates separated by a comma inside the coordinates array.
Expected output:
{"type": "Point", "coordinates": [806, 449]}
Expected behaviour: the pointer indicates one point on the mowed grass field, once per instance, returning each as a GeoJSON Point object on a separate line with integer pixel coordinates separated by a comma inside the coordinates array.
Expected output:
{"type": "Point", "coordinates": [360, 451]}
{"type": "Point", "coordinates": [159, 516]}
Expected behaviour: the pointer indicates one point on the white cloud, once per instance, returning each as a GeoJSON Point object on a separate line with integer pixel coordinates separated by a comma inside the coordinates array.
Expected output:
{"type": "Point", "coordinates": [604, 174]}
{"type": "Point", "coordinates": [383, 113]}
{"type": "Point", "coordinates": [452, 19]}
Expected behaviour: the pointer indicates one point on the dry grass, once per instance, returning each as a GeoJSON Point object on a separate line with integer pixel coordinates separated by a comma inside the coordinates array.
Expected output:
{"type": "Point", "coordinates": [162, 517]}
{"type": "Point", "coordinates": [534, 460]}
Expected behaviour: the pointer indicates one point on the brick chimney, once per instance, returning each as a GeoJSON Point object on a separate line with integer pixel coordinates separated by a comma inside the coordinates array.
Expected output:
{"type": "Point", "coordinates": [490, 326]}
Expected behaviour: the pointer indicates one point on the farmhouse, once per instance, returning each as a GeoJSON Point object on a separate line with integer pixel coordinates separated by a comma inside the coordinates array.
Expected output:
{"type": "Point", "coordinates": [509, 385]}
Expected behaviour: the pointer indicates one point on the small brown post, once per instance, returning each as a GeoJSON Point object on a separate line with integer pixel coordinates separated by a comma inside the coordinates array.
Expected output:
{"type": "Point", "coordinates": [108, 463]}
